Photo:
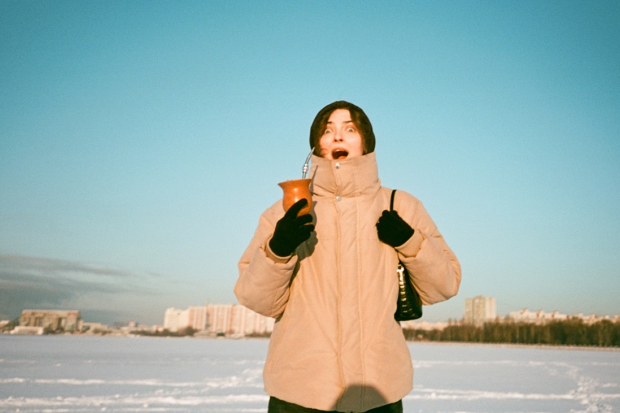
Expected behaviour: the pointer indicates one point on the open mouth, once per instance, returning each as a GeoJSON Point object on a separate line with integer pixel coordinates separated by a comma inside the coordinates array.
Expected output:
{"type": "Point", "coordinates": [339, 154]}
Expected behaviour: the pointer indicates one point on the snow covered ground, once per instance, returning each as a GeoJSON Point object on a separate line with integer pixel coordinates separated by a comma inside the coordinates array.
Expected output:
{"type": "Point", "coordinates": [121, 374]}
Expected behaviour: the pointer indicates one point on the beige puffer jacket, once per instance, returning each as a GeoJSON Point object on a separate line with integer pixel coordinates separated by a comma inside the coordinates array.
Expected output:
{"type": "Point", "coordinates": [335, 344]}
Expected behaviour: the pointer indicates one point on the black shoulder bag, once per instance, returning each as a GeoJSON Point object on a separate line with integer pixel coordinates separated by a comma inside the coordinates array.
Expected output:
{"type": "Point", "coordinates": [409, 304]}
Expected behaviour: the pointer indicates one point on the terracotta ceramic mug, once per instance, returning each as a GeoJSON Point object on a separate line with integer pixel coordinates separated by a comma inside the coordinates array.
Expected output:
{"type": "Point", "coordinates": [294, 190]}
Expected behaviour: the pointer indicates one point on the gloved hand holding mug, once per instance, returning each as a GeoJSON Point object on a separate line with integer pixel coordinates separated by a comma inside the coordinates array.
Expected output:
{"type": "Point", "coordinates": [291, 230]}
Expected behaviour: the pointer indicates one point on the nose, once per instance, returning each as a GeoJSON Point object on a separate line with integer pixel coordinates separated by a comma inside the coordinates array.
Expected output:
{"type": "Point", "coordinates": [337, 136]}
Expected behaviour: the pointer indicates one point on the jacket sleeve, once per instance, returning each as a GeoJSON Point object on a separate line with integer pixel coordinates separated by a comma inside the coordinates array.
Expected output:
{"type": "Point", "coordinates": [264, 278]}
{"type": "Point", "coordinates": [432, 266]}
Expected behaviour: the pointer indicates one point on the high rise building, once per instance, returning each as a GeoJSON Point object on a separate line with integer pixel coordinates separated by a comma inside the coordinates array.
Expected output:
{"type": "Point", "coordinates": [53, 320]}
{"type": "Point", "coordinates": [233, 319]}
{"type": "Point", "coordinates": [175, 319]}
{"type": "Point", "coordinates": [220, 316]}
{"type": "Point", "coordinates": [219, 319]}
{"type": "Point", "coordinates": [197, 317]}
{"type": "Point", "coordinates": [246, 322]}
{"type": "Point", "coordinates": [194, 317]}
{"type": "Point", "coordinates": [479, 310]}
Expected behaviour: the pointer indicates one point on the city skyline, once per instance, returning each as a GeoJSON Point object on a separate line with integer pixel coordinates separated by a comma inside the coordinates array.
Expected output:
{"type": "Point", "coordinates": [477, 310]}
{"type": "Point", "coordinates": [140, 142]}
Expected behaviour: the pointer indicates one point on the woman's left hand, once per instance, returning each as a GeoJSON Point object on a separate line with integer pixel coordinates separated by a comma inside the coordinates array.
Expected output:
{"type": "Point", "coordinates": [392, 229]}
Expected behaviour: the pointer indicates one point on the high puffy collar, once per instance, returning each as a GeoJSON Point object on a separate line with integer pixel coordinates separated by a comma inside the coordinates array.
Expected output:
{"type": "Point", "coordinates": [346, 178]}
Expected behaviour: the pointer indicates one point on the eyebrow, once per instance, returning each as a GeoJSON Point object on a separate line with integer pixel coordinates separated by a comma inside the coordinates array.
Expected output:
{"type": "Point", "coordinates": [346, 121]}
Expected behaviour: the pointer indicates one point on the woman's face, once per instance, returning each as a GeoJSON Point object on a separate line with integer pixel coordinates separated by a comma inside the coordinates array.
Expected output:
{"type": "Point", "coordinates": [341, 139]}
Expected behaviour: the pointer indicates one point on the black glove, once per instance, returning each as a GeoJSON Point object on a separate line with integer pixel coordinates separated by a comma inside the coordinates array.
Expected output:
{"type": "Point", "coordinates": [291, 230]}
{"type": "Point", "coordinates": [392, 229]}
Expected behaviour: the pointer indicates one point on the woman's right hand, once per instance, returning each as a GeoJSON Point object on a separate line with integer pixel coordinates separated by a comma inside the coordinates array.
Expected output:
{"type": "Point", "coordinates": [291, 230]}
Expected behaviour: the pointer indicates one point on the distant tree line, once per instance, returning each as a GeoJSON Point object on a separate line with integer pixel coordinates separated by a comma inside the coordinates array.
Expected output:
{"type": "Point", "coordinates": [186, 332]}
{"type": "Point", "coordinates": [572, 332]}
{"type": "Point", "coordinates": [259, 335]}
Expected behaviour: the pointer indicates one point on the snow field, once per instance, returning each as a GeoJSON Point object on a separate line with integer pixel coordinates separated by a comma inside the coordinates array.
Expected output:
{"type": "Point", "coordinates": [122, 374]}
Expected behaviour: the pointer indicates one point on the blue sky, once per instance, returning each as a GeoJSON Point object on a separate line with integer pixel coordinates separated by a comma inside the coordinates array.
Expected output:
{"type": "Point", "coordinates": [140, 142]}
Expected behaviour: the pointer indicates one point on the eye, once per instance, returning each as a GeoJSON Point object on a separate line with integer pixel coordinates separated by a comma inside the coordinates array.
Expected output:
{"type": "Point", "coordinates": [327, 131]}
{"type": "Point", "coordinates": [350, 129]}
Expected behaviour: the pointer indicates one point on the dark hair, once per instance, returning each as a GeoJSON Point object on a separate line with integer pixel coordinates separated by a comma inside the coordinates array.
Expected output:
{"type": "Point", "coordinates": [358, 117]}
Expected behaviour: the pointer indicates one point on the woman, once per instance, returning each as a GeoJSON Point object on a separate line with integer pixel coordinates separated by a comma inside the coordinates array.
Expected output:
{"type": "Point", "coordinates": [329, 278]}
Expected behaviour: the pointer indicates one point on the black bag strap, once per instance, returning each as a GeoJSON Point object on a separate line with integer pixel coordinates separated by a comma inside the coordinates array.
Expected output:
{"type": "Point", "coordinates": [392, 200]}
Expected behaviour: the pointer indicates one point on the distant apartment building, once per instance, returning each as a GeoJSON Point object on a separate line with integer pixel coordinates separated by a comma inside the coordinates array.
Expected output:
{"type": "Point", "coordinates": [536, 317]}
{"type": "Point", "coordinates": [194, 317]}
{"type": "Point", "coordinates": [542, 317]}
{"type": "Point", "coordinates": [237, 320]}
{"type": "Point", "coordinates": [246, 322]}
{"type": "Point", "coordinates": [52, 320]}
{"type": "Point", "coordinates": [479, 310]}
{"type": "Point", "coordinates": [218, 319]}
{"type": "Point", "coordinates": [197, 317]}
{"type": "Point", "coordinates": [175, 319]}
